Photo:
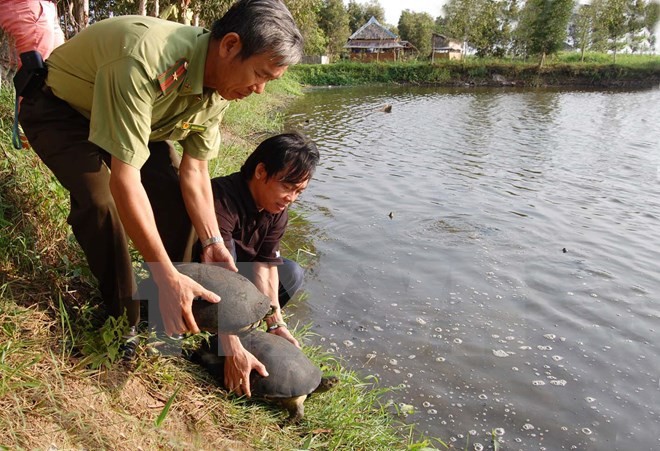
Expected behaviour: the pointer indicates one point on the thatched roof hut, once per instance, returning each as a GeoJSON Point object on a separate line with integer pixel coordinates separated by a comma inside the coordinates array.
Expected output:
{"type": "Point", "coordinates": [372, 41]}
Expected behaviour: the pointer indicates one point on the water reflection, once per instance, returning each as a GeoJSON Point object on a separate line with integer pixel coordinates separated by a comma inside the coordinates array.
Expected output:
{"type": "Point", "coordinates": [514, 284]}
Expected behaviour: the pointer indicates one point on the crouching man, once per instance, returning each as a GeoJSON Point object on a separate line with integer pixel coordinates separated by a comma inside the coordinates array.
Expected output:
{"type": "Point", "coordinates": [251, 207]}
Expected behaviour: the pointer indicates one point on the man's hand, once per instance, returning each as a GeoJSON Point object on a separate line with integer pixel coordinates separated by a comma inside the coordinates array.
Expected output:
{"type": "Point", "coordinates": [219, 253]}
{"type": "Point", "coordinates": [176, 294]}
{"type": "Point", "coordinates": [239, 363]}
{"type": "Point", "coordinates": [283, 332]}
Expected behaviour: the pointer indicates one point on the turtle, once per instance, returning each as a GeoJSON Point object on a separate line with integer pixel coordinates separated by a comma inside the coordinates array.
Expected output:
{"type": "Point", "coordinates": [291, 375]}
{"type": "Point", "coordinates": [242, 306]}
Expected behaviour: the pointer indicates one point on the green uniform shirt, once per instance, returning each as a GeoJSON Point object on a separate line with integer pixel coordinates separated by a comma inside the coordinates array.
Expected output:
{"type": "Point", "coordinates": [140, 79]}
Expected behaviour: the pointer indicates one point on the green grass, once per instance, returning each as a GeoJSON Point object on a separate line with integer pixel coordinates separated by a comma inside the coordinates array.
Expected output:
{"type": "Point", "coordinates": [61, 382]}
{"type": "Point", "coordinates": [562, 69]}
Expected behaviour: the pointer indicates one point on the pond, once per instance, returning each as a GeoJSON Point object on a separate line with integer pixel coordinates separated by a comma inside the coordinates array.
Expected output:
{"type": "Point", "coordinates": [494, 254]}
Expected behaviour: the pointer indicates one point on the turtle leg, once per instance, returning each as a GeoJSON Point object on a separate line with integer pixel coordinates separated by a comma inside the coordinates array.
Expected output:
{"type": "Point", "coordinates": [295, 407]}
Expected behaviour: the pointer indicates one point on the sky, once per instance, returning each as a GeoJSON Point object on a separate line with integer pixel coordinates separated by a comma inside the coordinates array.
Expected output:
{"type": "Point", "coordinates": [393, 8]}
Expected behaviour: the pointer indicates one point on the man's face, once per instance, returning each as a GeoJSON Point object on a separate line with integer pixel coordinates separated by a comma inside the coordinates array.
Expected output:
{"type": "Point", "coordinates": [273, 195]}
{"type": "Point", "coordinates": [234, 78]}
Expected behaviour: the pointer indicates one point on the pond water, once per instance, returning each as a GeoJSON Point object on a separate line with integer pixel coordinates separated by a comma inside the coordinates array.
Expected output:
{"type": "Point", "coordinates": [494, 254]}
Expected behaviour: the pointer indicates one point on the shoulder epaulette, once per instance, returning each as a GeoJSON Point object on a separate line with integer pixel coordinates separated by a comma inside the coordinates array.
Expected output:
{"type": "Point", "coordinates": [173, 75]}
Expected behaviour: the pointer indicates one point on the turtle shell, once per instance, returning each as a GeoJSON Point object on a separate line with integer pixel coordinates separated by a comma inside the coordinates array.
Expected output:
{"type": "Point", "coordinates": [290, 372]}
{"type": "Point", "coordinates": [242, 303]}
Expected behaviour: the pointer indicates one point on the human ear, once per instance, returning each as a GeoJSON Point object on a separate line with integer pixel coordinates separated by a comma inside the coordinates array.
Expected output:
{"type": "Point", "coordinates": [260, 172]}
{"type": "Point", "coordinates": [230, 45]}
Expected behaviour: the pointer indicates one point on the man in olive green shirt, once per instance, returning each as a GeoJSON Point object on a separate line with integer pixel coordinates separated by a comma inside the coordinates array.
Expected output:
{"type": "Point", "coordinates": [114, 94]}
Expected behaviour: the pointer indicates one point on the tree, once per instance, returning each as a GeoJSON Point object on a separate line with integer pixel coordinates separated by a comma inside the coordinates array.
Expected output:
{"type": "Point", "coordinates": [544, 26]}
{"type": "Point", "coordinates": [581, 28]}
{"type": "Point", "coordinates": [417, 28]}
{"type": "Point", "coordinates": [612, 21]}
{"type": "Point", "coordinates": [333, 20]}
{"type": "Point", "coordinates": [458, 15]}
{"type": "Point", "coordinates": [359, 14]}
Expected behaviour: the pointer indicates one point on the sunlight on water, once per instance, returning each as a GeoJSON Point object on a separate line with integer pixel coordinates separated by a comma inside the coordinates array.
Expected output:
{"type": "Point", "coordinates": [493, 254]}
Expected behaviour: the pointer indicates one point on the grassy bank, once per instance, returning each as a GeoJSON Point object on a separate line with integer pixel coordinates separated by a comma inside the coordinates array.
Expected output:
{"type": "Point", "coordinates": [566, 69]}
{"type": "Point", "coordinates": [61, 383]}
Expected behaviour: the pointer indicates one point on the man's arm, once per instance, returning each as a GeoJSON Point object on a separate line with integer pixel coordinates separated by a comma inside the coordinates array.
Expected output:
{"type": "Point", "coordinates": [176, 291]}
{"type": "Point", "coordinates": [267, 281]}
{"type": "Point", "coordinates": [198, 197]}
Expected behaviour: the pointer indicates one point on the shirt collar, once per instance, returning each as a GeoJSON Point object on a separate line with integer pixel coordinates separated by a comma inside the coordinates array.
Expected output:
{"type": "Point", "coordinates": [194, 83]}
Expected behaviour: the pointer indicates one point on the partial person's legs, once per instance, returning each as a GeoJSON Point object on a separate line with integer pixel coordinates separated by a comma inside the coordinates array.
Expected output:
{"type": "Point", "coordinates": [291, 277]}
{"type": "Point", "coordinates": [161, 182]}
{"type": "Point", "coordinates": [59, 134]}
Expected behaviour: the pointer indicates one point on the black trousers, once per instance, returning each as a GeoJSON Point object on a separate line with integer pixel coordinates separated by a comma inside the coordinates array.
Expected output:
{"type": "Point", "coordinates": [59, 135]}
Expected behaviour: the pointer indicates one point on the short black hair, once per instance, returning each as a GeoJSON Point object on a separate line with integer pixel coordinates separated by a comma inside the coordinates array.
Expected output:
{"type": "Point", "coordinates": [292, 154]}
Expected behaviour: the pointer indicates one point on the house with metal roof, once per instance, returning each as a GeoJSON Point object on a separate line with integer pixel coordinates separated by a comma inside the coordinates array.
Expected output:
{"type": "Point", "coordinates": [443, 47]}
{"type": "Point", "coordinates": [373, 42]}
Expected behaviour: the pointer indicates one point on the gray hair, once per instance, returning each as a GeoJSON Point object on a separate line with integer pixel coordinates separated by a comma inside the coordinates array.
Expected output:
{"type": "Point", "coordinates": [265, 26]}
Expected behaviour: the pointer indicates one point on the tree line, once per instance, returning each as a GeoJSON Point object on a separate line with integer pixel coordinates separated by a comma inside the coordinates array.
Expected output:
{"type": "Point", "coordinates": [488, 28]}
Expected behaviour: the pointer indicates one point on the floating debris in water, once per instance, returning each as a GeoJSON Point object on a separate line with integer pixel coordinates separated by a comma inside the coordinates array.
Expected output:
{"type": "Point", "coordinates": [348, 343]}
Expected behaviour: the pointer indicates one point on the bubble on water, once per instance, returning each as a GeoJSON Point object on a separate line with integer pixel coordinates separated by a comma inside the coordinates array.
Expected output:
{"type": "Point", "coordinates": [330, 350]}
{"type": "Point", "coordinates": [557, 358]}
{"type": "Point", "coordinates": [440, 359]}
{"type": "Point", "coordinates": [564, 428]}
{"type": "Point", "coordinates": [432, 412]}
{"type": "Point", "coordinates": [420, 321]}
{"type": "Point", "coordinates": [478, 447]}
{"type": "Point", "coordinates": [426, 404]}
{"type": "Point", "coordinates": [394, 304]}
{"type": "Point", "coordinates": [348, 343]}
{"type": "Point", "coordinates": [594, 295]}
{"type": "Point", "coordinates": [411, 356]}
{"type": "Point", "coordinates": [472, 432]}
{"type": "Point", "coordinates": [499, 432]}
{"type": "Point", "coordinates": [495, 336]}
{"type": "Point", "coordinates": [586, 431]}
{"type": "Point", "coordinates": [544, 348]}
{"type": "Point", "coordinates": [438, 329]}
{"type": "Point", "coordinates": [483, 396]}
{"type": "Point", "coordinates": [589, 399]}
{"type": "Point", "coordinates": [558, 382]}
{"type": "Point", "coordinates": [458, 341]}
{"type": "Point", "coordinates": [394, 362]}
{"type": "Point", "coordinates": [550, 336]}
{"type": "Point", "coordinates": [525, 348]}
{"type": "Point", "coordinates": [500, 353]}
{"type": "Point", "coordinates": [378, 328]}
{"type": "Point", "coordinates": [528, 426]}
{"type": "Point", "coordinates": [515, 368]}
{"type": "Point", "coordinates": [537, 383]}
{"type": "Point", "coordinates": [510, 338]}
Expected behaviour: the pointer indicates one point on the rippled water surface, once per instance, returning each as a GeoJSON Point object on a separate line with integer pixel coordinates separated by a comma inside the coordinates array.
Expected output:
{"type": "Point", "coordinates": [495, 253]}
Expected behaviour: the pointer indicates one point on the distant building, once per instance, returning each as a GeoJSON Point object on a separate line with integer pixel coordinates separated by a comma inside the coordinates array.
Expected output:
{"type": "Point", "coordinates": [374, 42]}
{"type": "Point", "coordinates": [443, 47]}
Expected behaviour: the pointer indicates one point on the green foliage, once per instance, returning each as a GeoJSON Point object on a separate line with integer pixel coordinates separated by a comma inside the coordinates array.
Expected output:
{"type": "Point", "coordinates": [360, 13]}
{"type": "Point", "coordinates": [417, 28]}
{"type": "Point", "coordinates": [101, 347]}
{"type": "Point", "coordinates": [333, 20]}
{"type": "Point", "coordinates": [544, 26]}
